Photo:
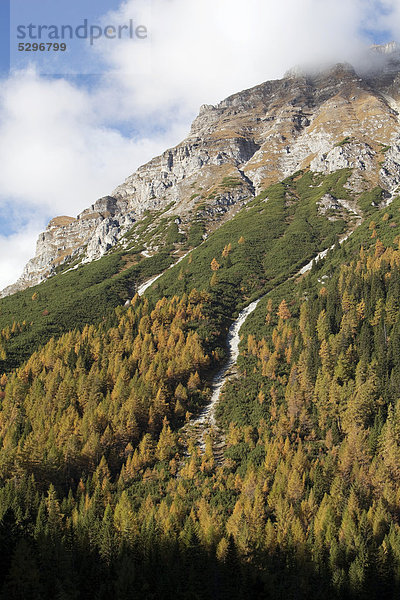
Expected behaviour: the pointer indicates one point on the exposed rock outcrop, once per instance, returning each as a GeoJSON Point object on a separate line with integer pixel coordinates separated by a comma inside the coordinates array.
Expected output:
{"type": "Point", "coordinates": [324, 121]}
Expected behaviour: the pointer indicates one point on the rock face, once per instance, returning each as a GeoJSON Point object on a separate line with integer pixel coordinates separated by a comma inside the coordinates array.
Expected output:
{"type": "Point", "coordinates": [328, 120]}
{"type": "Point", "coordinates": [87, 237]}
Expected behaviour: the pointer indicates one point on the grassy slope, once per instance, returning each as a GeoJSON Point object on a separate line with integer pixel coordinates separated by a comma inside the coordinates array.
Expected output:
{"type": "Point", "coordinates": [281, 230]}
{"type": "Point", "coordinates": [84, 295]}
{"type": "Point", "coordinates": [386, 224]}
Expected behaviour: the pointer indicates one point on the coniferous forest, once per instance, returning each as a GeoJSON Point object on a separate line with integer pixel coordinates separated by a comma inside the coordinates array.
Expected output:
{"type": "Point", "coordinates": [104, 493]}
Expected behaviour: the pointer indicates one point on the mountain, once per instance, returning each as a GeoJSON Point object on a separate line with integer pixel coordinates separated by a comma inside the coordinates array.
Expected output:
{"type": "Point", "coordinates": [324, 121]}
{"type": "Point", "coordinates": [212, 408]}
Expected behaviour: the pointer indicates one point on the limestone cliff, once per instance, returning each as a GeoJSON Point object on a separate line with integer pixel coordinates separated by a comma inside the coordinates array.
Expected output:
{"type": "Point", "coordinates": [324, 121]}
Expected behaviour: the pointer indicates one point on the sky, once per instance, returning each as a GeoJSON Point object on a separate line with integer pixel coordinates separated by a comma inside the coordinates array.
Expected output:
{"type": "Point", "coordinates": [74, 125]}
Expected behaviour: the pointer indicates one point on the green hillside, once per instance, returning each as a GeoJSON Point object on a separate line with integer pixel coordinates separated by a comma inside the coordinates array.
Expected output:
{"type": "Point", "coordinates": [104, 494]}
{"type": "Point", "coordinates": [72, 299]}
{"type": "Point", "coordinates": [286, 228]}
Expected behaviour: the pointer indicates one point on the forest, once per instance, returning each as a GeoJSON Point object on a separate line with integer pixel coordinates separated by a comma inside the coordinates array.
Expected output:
{"type": "Point", "coordinates": [104, 494]}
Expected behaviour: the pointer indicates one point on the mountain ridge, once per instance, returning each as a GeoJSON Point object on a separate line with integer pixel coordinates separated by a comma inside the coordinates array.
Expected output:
{"type": "Point", "coordinates": [324, 121]}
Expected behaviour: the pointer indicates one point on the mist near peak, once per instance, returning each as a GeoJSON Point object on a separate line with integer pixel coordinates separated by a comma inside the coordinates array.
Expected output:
{"type": "Point", "coordinates": [370, 60]}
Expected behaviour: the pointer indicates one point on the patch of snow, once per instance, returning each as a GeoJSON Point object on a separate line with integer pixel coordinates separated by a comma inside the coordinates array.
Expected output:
{"type": "Point", "coordinates": [142, 288]}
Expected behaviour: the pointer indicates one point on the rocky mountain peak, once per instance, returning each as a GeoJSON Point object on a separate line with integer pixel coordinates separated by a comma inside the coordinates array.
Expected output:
{"type": "Point", "coordinates": [389, 48]}
{"type": "Point", "coordinates": [341, 116]}
{"type": "Point", "coordinates": [383, 62]}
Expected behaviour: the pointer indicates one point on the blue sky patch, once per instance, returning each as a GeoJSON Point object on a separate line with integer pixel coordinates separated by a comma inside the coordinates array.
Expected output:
{"type": "Point", "coordinates": [63, 37]}
{"type": "Point", "coordinates": [4, 37]}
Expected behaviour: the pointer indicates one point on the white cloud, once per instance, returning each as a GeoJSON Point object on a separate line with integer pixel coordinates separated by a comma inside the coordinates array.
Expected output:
{"type": "Point", "coordinates": [15, 251]}
{"type": "Point", "coordinates": [60, 148]}
{"type": "Point", "coordinates": [203, 51]}
{"type": "Point", "coordinates": [389, 18]}
{"type": "Point", "coordinates": [57, 154]}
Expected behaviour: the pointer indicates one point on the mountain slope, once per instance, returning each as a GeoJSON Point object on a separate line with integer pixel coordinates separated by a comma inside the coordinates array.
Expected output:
{"type": "Point", "coordinates": [289, 230]}
{"type": "Point", "coordinates": [105, 489]}
{"type": "Point", "coordinates": [304, 503]}
{"type": "Point", "coordinates": [323, 121]}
